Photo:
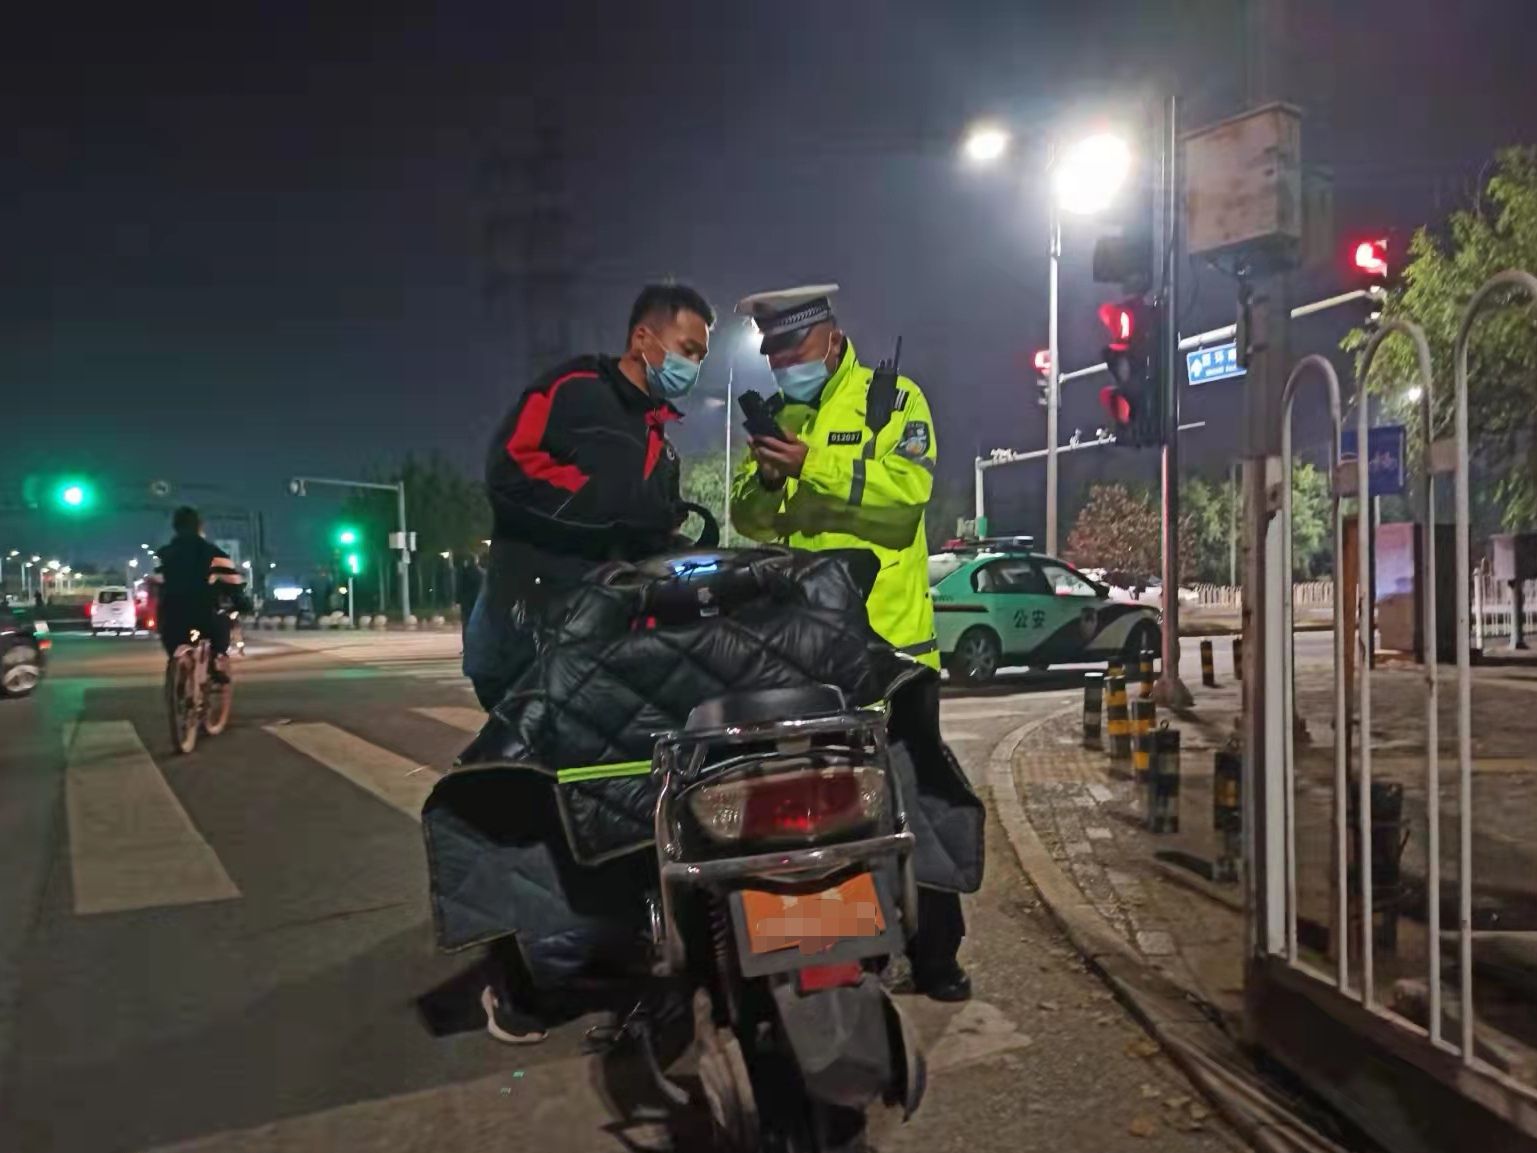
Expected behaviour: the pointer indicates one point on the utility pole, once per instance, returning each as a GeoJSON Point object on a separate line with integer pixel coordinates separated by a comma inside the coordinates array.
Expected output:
{"type": "Point", "coordinates": [1053, 377]}
{"type": "Point", "coordinates": [1264, 319]}
{"type": "Point", "coordinates": [1170, 691]}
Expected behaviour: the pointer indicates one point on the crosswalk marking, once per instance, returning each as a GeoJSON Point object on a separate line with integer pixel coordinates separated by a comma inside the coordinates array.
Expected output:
{"type": "Point", "coordinates": [400, 783]}
{"type": "Point", "coordinates": [456, 716]}
{"type": "Point", "coordinates": [131, 844]}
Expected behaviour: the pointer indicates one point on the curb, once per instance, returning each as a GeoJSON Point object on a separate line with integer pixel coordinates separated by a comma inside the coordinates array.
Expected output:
{"type": "Point", "coordinates": [1213, 1060]}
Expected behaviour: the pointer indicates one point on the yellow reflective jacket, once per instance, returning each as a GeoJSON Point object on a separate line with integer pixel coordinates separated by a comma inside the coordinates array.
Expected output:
{"type": "Point", "coordinates": [855, 493]}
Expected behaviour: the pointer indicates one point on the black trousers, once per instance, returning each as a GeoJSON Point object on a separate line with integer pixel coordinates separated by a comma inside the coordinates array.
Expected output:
{"type": "Point", "coordinates": [941, 924]}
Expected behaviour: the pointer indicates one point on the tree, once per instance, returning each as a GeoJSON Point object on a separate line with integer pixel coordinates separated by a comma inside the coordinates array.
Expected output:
{"type": "Point", "coordinates": [950, 502]}
{"type": "Point", "coordinates": [1441, 274]}
{"type": "Point", "coordinates": [1208, 510]}
{"type": "Point", "coordinates": [704, 483]}
{"type": "Point", "coordinates": [1117, 530]}
{"type": "Point", "coordinates": [446, 509]}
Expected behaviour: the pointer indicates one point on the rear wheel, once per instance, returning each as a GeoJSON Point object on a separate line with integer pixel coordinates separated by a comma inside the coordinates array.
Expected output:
{"type": "Point", "coordinates": [977, 656]}
{"type": "Point", "coordinates": [181, 701]}
{"type": "Point", "coordinates": [19, 671]}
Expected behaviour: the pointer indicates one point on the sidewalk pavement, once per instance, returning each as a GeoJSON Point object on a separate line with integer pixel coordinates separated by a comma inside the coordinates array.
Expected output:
{"type": "Point", "coordinates": [1148, 899]}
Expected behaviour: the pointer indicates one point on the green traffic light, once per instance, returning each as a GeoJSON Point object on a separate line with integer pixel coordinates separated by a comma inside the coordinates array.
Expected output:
{"type": "Point", "coordinates": [354, 566]}
{"type": "Point", "coordinates": [74, 495]}
{"type": "Point", "coordinates": [346, 536]}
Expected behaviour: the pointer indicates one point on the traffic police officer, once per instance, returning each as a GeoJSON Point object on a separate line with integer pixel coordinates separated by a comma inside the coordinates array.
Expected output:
{"type": "Point", "coordinates": [833, 482]}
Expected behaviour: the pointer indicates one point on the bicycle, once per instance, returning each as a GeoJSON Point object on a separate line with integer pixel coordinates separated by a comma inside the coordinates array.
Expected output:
{"type": "Point", "coordinates": [194, 701]}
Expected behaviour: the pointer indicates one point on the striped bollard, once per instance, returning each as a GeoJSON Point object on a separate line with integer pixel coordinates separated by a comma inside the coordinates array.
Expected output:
{"type": "Point", "coordinates": [1208, 666]}
{"type": "Point", "coordinates": [1145, 672]}
{"type": "Point", "coordinates": [1093, 704]}
{"type": "Point", "coordinates": [1143, 717]}
{"type": "Point", "coordinates": [1163, 783]}
{"type": "Point", "coordinates": [1238, 658]}
{"type": "Point", "coordinates": [1117, 723]}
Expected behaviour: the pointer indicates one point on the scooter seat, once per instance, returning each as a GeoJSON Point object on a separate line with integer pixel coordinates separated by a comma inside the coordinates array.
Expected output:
{"type": "Point", "coordinates": [768, 705]}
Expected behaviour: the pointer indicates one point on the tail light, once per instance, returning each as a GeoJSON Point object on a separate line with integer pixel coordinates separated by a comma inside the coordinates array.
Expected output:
{"type": "Point", "coordinates": [798, 806]}
{"type": "Point", "coordinates": [815, 978]}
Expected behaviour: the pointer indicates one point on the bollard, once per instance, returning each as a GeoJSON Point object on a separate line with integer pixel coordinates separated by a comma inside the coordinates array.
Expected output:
{"type": "Point", "coordinates": [1227, 812]}
{"type": "Point", "coordinates": [1238, 658]}
{"type": "Point", "coordinates": [1115, 668]}
{"type": "Point", "coordinates": [1145, 672]}
{"type": "Point", "coordinates": [1093, 703]}
{"type": "Point", "coordinates": [1144, 714]}
{"type": "Point", "coordinates": [1163, 783]}
{"type": "Point", "coordinates": [1117, 724]}
{"type": "Point", "coordinates": [1208, 666]}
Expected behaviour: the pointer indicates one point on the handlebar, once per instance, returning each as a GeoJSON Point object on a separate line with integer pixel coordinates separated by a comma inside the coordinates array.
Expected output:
{"type": "Point", "coordinates": [709, 535]}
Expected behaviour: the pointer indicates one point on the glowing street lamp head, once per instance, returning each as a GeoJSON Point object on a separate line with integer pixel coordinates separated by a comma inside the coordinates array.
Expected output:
{"type": "Point", "coordinates": [986, 143]}
{"type": "Point", "coordinates": [1088, 176]}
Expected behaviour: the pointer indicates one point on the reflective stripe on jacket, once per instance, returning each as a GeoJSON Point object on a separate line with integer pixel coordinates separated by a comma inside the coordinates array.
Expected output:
{"type": "Point", "coordinates": [857, 492]}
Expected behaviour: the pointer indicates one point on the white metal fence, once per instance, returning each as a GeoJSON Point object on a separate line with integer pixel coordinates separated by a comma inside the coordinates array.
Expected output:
{"type": "Point", "coordinates": [1494, 608]}
{"type": "Point", "coordinates": [1309, 594]}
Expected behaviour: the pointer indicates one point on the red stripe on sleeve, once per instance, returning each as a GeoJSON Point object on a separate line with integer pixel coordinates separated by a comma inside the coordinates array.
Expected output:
{"type": "Point", "coordinates": [525, 445]}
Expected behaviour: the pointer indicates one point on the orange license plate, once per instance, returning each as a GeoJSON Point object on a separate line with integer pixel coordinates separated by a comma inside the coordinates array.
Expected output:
{"type": "Point", "coordinates": [812, 922]}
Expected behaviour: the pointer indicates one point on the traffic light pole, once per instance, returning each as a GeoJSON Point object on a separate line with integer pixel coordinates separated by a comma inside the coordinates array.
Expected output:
{"type": "Point", "coordinates": [1170, 691]}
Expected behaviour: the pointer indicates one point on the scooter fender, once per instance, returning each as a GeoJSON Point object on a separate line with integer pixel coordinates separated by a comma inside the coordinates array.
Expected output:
{"type": "Point", "coordinates": [851, 1044]}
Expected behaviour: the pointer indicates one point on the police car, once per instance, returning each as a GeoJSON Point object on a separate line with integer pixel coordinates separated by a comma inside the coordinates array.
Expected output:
{"type": "Point", "coordinates": [998, 603]}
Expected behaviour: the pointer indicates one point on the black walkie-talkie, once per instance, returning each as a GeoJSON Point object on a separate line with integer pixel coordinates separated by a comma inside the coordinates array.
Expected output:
{"type": "Point", "coordinates": [881, 399]}
{"type": "Point", "coordinates": [759, 417]}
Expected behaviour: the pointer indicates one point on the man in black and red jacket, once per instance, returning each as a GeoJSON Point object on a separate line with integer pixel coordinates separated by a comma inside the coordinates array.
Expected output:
{"type": "Point", "coordinates": [580, 472]}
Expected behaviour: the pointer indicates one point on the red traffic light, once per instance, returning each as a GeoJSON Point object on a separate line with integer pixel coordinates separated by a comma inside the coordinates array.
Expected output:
{"type": "Point", "coordinates": [1117, 405]}
{"type": "Point", "coordinates": [1119, 322]}
{"type": "Point", "coordinates": [1371, 258]}
{"type": "Point", "coordinates": [1042, 361]}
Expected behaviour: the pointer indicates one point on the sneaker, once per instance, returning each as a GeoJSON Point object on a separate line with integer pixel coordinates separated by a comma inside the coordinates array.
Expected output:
{"type": "Point", "coordinates": [508, 1025]}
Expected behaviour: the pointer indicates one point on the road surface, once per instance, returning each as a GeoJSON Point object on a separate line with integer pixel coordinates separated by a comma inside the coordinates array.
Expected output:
{"type": "Point", "coordinates": [231, 950]}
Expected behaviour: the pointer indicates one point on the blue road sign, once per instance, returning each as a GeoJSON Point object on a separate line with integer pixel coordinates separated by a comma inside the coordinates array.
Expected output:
{"type": "Point", "coordinates": [1385, 457]}
{"type": "Point", "coordinates": [1205, 365]}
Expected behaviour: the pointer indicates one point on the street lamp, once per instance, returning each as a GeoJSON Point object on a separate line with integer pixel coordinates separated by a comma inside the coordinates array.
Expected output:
{"type": "Point", "coordinates": [1087, 177]}
{"type": "Point", "coordinates": [985, 143]}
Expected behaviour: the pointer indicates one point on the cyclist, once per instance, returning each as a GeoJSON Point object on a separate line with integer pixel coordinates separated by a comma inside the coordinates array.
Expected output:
{"type": "Point", "coordinates": [196, 578]}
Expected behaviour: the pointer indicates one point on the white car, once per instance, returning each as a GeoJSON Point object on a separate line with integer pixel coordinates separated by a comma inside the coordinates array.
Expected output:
{"type": "Point", "coordinates": [113, 610]}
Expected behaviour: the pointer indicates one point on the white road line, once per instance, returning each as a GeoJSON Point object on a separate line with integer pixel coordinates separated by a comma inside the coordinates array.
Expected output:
{"type": "Point", "coordinates": [455, 716]}
{"type": "Point", "coordinates": [131, 844]}
{"type": "Point", "coordinates": [400, 783]}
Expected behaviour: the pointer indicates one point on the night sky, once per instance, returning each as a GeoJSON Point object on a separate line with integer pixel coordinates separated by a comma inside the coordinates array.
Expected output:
{"type": "Point", "coordinates": [242, 241]}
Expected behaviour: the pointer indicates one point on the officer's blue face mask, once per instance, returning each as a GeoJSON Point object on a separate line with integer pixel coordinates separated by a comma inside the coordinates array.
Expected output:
{"type": "Point", "coordinates": [674, 378]}
{"type": "Point", "coordinates": [803, 383]}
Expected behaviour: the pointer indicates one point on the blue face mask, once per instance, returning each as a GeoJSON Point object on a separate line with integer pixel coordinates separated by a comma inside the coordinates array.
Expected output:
{"type": "Point", "coordinates": [802, 382]}
{"type": "Point", "coordinates": [674, 379]}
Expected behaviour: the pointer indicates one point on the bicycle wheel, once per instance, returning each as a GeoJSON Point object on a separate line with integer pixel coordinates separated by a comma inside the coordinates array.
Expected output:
{"type": "Point", "coordinates": [181, 700]}
{"type": "Point", "coordinates": [217, 700]}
